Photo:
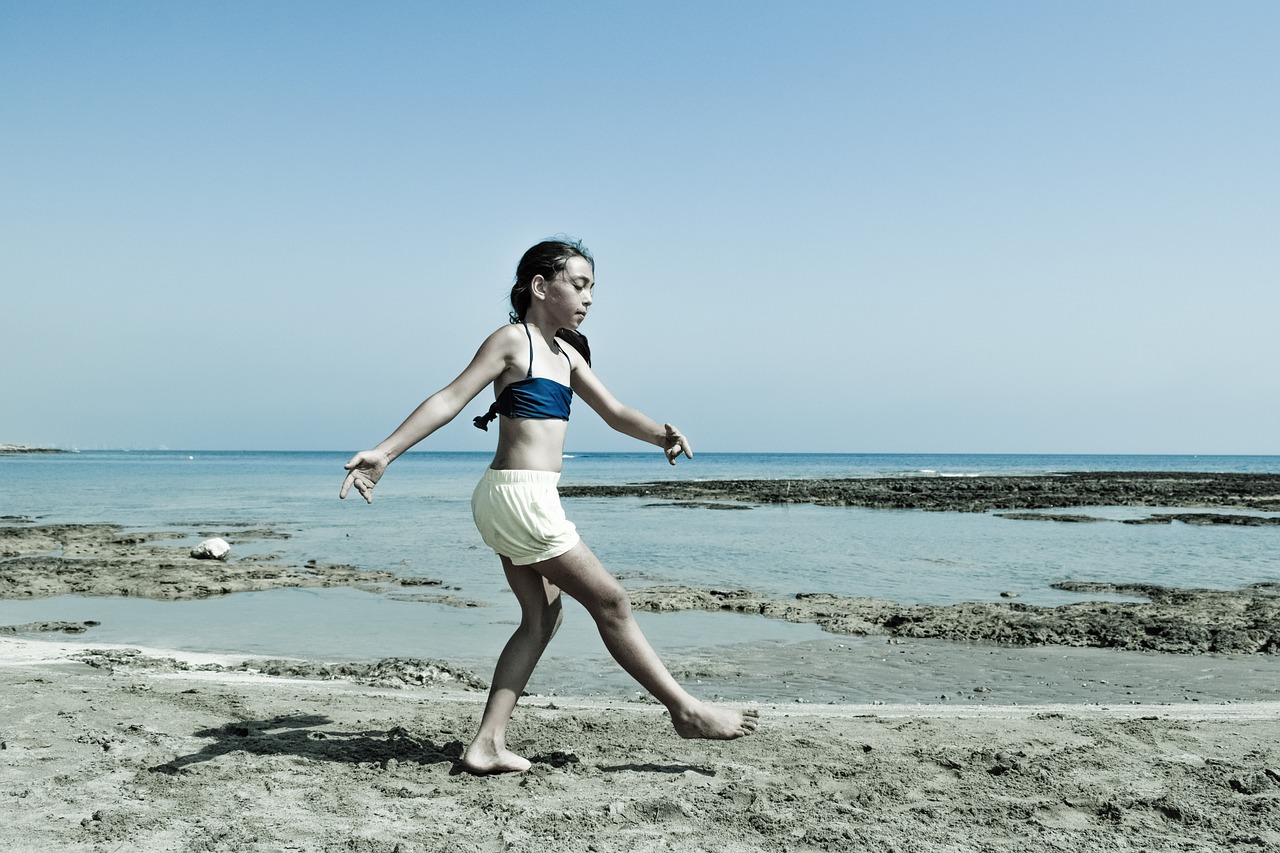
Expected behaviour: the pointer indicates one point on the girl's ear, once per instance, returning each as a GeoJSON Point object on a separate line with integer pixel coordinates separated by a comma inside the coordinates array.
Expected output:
{"type": "Point", "coordinates": [538, 287]}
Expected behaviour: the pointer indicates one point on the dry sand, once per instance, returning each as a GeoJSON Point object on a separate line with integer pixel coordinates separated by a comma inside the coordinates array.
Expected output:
{"type": "Point", "coordinates": [144, 759]}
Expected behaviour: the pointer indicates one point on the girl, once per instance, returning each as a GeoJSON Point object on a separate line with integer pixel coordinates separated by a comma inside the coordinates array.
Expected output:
{"type": "Point", "coordinates": [536, 364]}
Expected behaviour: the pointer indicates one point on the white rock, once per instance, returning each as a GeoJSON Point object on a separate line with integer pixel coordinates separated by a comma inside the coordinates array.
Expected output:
{"type": "Point", "coordinates": [211, 549]}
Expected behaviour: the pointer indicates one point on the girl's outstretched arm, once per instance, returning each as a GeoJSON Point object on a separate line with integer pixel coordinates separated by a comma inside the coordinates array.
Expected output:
{"type": "Point", "coordinates": [623, 418]}
{"type": "Point", "coordinates": [366, 467]}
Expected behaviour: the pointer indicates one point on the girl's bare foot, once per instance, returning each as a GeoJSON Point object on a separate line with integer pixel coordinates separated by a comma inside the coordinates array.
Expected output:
{"type": "Point", "coordinates": [486, 761]}
{"type": "Point", "coordinates": [701, 720]}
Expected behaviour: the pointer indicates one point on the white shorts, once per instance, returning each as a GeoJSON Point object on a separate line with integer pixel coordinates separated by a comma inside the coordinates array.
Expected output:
{"type": "Point", "coordinates": [518, 514]}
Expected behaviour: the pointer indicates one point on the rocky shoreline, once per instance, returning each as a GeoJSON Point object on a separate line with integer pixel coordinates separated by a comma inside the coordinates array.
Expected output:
{"type": "Point", "coordinates": [1259, 492]}
{"type": "Point", "coordinates": [1177, 621]}
{"type": "Point", "coordinates": [1183, 621]}
{"type": "Point", "coordinates": [42, 561]}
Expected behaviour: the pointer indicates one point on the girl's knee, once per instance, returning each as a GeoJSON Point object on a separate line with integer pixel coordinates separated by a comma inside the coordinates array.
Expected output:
{"type": "Point", "coordinates": [612, 603]}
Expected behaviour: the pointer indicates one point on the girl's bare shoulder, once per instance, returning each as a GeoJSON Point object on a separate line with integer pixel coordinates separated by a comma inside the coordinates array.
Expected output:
{"type": "Point", "coordinates": [505, 336]}
{"type": "Point", "coordinates": [506, 343]}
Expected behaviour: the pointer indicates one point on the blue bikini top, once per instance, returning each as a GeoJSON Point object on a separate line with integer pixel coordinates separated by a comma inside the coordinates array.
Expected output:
{"type": "Point", "coordinates": [534, 397]}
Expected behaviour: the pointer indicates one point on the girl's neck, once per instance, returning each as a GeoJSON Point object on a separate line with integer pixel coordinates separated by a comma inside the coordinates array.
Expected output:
{"type": "Point", "coordinates": [543, 329]}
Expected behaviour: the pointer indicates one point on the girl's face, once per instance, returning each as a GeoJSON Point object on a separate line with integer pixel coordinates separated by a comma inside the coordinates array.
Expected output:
{"type": "Point", "coordinates": [569, 294]}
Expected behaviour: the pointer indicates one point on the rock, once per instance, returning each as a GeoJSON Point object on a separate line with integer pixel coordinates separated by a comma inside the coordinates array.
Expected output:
{"type": "Point", "coordinates": [1252, 783]}
{"type": "Point", "coordinates": [43, 627]}
{"type": "Point", "coordinates": [1046, 516]}
{"type": "Point", "coordinates": [211, 549]}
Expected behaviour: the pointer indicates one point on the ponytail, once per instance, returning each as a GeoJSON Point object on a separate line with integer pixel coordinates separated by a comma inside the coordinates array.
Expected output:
{"type": "Point", "coordinates": [577, 340]}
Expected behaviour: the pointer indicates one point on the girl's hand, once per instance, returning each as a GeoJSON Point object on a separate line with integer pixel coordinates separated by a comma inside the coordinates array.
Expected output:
{"type": "Point", "coordinates": [674, 443]}
{"type": "Point", "coordinates": [365, 469]}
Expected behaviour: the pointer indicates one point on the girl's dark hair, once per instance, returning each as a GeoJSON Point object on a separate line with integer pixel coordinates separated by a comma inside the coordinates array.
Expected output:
{"type": "Point", "coordinates": [548, 259]}
{"type": "Point", "coordinates": [577, 340]}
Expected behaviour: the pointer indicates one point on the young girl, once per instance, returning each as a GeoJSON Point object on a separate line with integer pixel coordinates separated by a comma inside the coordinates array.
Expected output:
{"type": "Point", "coordinates": [536, 364]}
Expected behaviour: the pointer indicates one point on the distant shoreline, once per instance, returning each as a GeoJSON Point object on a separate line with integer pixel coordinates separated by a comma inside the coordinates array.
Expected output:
{"type": "Point", "coordinates": [972, 494]}
{"type": "Point", "coordinates": [20, 448]}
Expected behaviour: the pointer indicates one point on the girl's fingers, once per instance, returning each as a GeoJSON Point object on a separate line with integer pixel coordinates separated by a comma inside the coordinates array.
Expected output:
{"type": "Point", "coordinates": [676, 444]}
{"type": "Point", "coordinates": [360, 476]}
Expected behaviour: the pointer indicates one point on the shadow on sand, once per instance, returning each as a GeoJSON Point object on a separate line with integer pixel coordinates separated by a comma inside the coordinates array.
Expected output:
{"type": "Point", "coordinates": [313, 736]}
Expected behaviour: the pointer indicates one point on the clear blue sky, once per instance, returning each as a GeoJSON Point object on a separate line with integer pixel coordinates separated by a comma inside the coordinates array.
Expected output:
{"type": "Point", "coordinates": [843, 226]}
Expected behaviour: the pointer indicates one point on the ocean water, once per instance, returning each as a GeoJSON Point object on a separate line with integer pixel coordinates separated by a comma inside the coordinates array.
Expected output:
{"type": "Point", "coordinates": [420, 525]}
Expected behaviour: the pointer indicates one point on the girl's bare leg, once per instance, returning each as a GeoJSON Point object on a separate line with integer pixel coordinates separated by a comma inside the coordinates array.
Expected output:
{"type": "Point", "coordinates": [540, 617]}
{"type": "Point", "coordinates": [580, 574]}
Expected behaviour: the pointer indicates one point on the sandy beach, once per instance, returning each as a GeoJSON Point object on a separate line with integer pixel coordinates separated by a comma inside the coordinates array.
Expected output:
{"type": "Point", "coordinates": [1149, 724]}
{"type": "Point", "coordinates": [139, 758]}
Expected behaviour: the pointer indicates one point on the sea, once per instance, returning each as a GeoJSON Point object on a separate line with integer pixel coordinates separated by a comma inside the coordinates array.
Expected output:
{"type": "Point", "coordinates": [419, 525]}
